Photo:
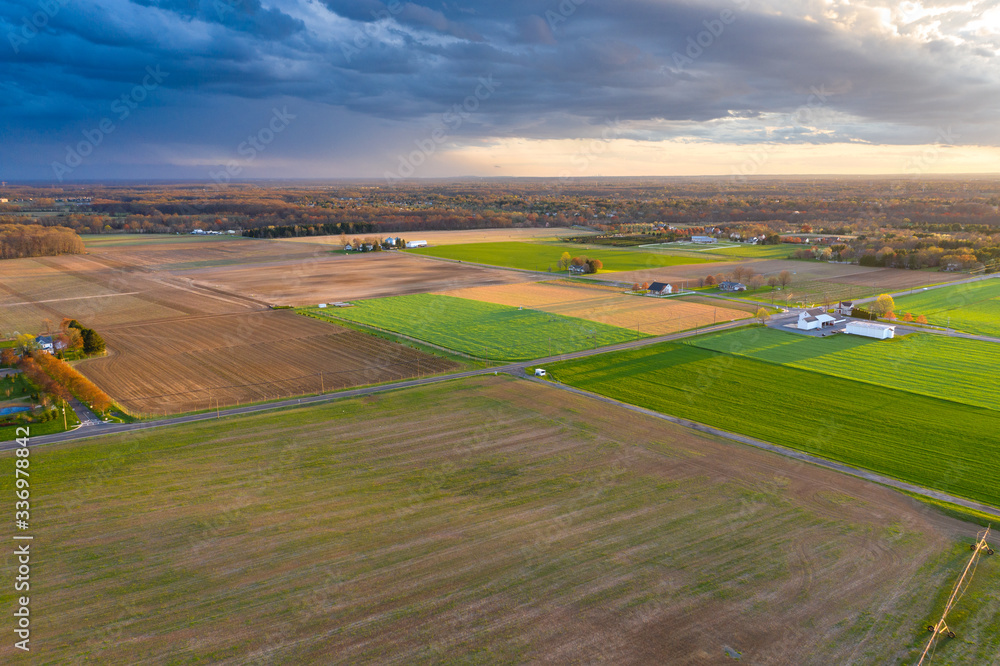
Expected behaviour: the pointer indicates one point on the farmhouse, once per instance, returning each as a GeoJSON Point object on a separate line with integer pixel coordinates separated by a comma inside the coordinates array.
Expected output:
{"type": "Point", "coordinates": [871, 330]}
{"type": "Point", "coordinates": [578, 270]}
{"type": "Point", "coordinates": [416, 243]}
{"type": "Point", "coordinates": [815, 318]}
{"type": "Point", "coordinates": [732, 286]}
{"type": "Point", "coordinates": [844, 308]}
{"type": "Point", "coordinates": [45, 343]}
{"type": "Point", "coordinates": [702, 239]}
{"type": "Point", "coordinates": [661, 288]}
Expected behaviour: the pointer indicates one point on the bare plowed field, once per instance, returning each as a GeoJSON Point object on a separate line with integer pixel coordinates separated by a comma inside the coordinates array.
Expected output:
{"type": "Point", "coordinates": [99, 291]}
{"type": "Point", "coordinates": [183, 252]}
{"type": "Point", "coordinates": [199, 362]}
{"type": "Point", "coordinates": [342, 278]}
{"type": "Point", "coordinates": [655, 316]}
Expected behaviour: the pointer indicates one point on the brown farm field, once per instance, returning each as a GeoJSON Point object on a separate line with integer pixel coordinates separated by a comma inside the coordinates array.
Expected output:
{"type": "Point", "coordinates": [36, 294]}
{"type": "Point", "coordinates": [604, 304]}
{"type": "Point", "coordinates": [456, 237]}
{"type": "Point", "coordinates": [481, 521]}
{"type": "Point", "coordinates": [346, 277]}
{"type": "Point", "coordinates": [192, 363]}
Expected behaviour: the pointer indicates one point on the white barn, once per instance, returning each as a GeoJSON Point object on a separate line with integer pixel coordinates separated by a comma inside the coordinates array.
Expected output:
{"type": "Point", "coordinates": [418, 243]}
{"type": "Point", "coordinates": [815, 318]}
{"type": "Point", "coordinates": [702, 239]}
{"type": "Point", "coordinates": [871, 330]}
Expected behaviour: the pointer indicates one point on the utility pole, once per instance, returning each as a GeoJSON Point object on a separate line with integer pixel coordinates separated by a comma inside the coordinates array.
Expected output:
{"type": "Point", "coordinates": [65, 426]}
{"type": "Point", "coordinates": [322, 386]}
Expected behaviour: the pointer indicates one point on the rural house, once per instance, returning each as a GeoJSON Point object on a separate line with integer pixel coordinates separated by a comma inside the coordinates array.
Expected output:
{"type": "Point", "coordinates": [844, 308]}
{"type": "Point", "coordinates": [46, 343]}
{"type": "Point", "coordinates": [815, 318]}
{"type": "Point", "coordinates": [732, 286]}
{"type": "Point", "coordinates": [661, 288]}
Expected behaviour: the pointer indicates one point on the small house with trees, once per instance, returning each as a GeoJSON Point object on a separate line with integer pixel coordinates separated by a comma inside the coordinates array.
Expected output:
{"type": "Point", "coordinates": [660, 289]}
{"type": "Point", "coordinates": [815, 318]}
{"type": "Point", "coordinates": [732, 287]}
{"type": "Point", "coordinates": [844, 308]}
{"type": "Point", "coordinates": [45, 343]}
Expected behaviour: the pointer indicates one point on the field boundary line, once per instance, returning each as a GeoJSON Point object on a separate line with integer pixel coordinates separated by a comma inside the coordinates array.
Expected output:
{"type": "Point", "coordinates": [785, 451]}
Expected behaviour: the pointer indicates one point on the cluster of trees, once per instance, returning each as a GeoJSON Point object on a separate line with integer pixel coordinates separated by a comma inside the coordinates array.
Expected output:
{"type": "Point", "coordinates": [589, 265]}
{"type": "Point", "coordinates": [69, 378]}
{"type": "Point", "coordinates": [294, 231]}
{"type": "Point", "coordinates": [48, 388]}
{"type": "Point", "coordinates": [74, 333]}
{"type": "Point", "coordinates": [748, 276]}
{"type": "Point", "coordinates": [31, 240]}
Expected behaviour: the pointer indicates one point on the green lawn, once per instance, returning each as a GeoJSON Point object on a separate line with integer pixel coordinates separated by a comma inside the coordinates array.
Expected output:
{"type": "Point", "coordinates": [485, 330]}
{"type": "Point", "coordinates": [783, 251]}
{"type": "Point", "coordinates": [545, 256]}
{"type": "Point", "coordinates": [935, 443]}
{"type": "Point", "coordinates": [934, 365]}
{"type": "Point", "coordinates": [973, 307]}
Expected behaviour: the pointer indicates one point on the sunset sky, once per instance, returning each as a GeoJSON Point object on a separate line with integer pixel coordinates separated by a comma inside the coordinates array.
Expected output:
{"type": "Point", "coordinates": [242, 89]}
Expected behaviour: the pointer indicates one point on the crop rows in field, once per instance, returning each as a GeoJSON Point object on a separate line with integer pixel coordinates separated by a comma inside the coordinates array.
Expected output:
{"type": "Point", "coordinates": [606, 305]}
{"type": "Point", "coordinates": [486, 520]}
{"type": "Point", "coordinates": [545, 257]}
{"type": "Point", "coordinates": [939, 366]}
{"type": "Point", "coordinates": [935, 443]}
{"type": "Point", "coordinates": [972, 307]}
{"type": "Point", "coordinates": [486, 330]}
{"type": "Point", "coordinates": [197, 363]}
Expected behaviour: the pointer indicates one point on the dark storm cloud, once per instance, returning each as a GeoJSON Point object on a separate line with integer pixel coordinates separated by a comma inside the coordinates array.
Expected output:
{"type": "Point", "coordinates": [724, 69]}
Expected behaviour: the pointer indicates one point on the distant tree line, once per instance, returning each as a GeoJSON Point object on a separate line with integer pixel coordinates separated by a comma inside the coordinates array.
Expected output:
{"type": "Point", "coordinates": [29, 240]}
{"type": "Point", "coordinates": [296, 230]}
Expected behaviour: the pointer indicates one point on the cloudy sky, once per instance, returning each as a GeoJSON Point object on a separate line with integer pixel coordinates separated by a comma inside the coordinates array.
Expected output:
{"type": "Point", "coordinates": [218, 89]}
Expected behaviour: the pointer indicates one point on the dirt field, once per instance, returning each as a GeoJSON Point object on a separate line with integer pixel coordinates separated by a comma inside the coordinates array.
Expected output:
{"type": "Point", "coordinates": [99, 292]}
{"type": "Point", "coordinates": [656, 316]}
{"type": "Point", "coordinates": [194, 363]}
{"type": "Point", "coordinates": [485, 521]}
{"type": "Point", "coordinates": [181, 252]}
{"type": "Point", "coordinates": [455, 237]}
{"type": "Point", "coordinates": [344, 277]}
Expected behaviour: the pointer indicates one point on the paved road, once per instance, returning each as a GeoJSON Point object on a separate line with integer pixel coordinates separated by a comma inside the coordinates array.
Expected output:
{"type": "Point", "coordinates": [510, 368]}
{"type": "Point", "coordinates": [87, 417]}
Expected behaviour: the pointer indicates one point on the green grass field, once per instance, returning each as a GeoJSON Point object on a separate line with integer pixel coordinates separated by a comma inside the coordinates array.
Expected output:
{"type": "Point", "coordinates": [545, 256]}
{"type": "Point", "coordinates": [484, 330]}
{"type": "Point", "coordinates": [935, 443]}
{"type": "Point", "coordinates": [728, 252]}
{"type": "Point", "coordinates": [973, 307]}
{"type": "Point", "coordinates": [484, 521]}
{"type": "Point", "coordinates": [934, 365]}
